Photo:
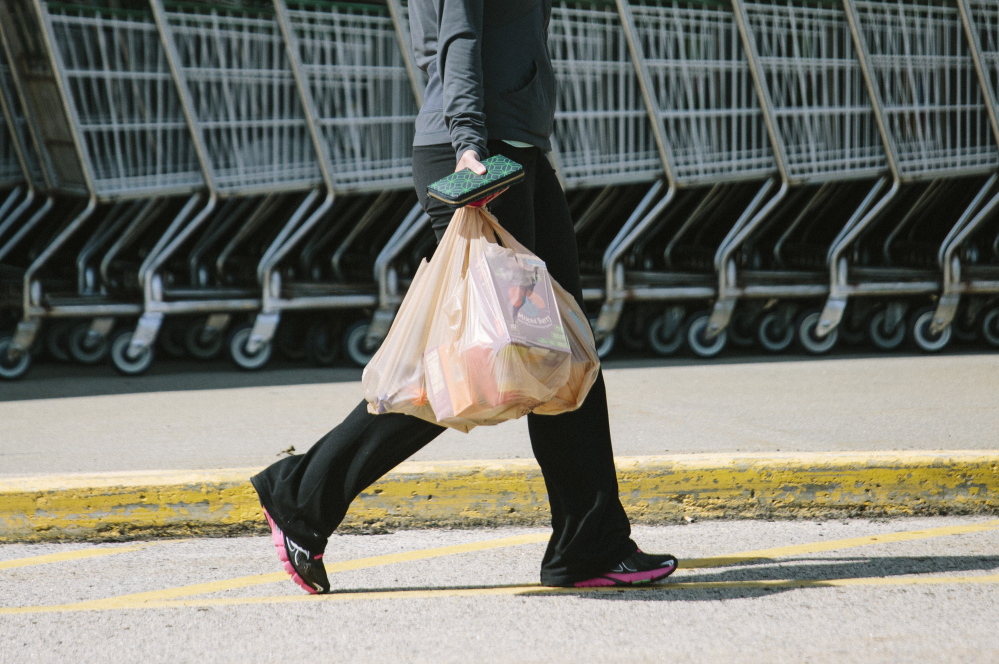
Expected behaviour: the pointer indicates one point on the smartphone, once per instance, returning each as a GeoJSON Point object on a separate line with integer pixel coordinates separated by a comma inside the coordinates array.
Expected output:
{"type": "Point", "coordinates": [464, 187]}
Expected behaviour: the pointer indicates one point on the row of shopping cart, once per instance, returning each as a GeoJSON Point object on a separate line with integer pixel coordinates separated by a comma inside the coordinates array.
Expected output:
{"type": "Point", "coordinates": [195, 177]}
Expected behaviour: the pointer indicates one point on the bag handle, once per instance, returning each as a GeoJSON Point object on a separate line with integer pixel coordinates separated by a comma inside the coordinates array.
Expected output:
{"type": "Point", "coordinates": [506, 238]}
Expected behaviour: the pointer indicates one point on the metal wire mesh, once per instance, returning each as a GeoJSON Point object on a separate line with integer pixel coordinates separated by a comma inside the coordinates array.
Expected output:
{"type": "Point", "coordinates": [926, 82]}
{"type": "Point", "coordinates": [402, 17]}
{"type": "Point", "coordinates": [602, 132]}
{"type": "Point", "coordinates": [984, 22]}
{"type": "Point", "coordinates": [10, 167]}
{"type": "Point", "coordinates": [702, 91]}
{"type": "Point", "coordinates": [825, 124]}
{"type": "Point", "coordinates": [18, 133]}
{"type": "Point", "coordinates": [123, 102]}
{"type": "Point", "coordinates": [246, 108]}
{"type": "Point", "coordinates": [360, 90]}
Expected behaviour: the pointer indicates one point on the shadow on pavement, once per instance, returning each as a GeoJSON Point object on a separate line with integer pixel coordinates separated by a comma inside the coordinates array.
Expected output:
{"type": "Point", "coordinates": [55, 381]}
{"type": "Point", "coordinates": [50, 380]}
{"type": "Point", "coordinates": [747, 581]}
{"type": "Point", "coordinates": [802, 573]}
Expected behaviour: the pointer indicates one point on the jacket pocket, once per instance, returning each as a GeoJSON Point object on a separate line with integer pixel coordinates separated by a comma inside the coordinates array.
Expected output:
{"type": "Point", "coordinates": [527, 82]}
{"type": "Point", "coordinates": [528, 106]}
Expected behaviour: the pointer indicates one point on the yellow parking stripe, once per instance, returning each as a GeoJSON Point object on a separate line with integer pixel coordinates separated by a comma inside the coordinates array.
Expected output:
{"type": "Point", "coordinates": [407, 556]}
{"type": "Point", "coordinates": [539, 590]}
{"type": "Point", "coordinates": [332, 568]}
{"type": "Point", "coordinates": [173, 597]}
{"type": "Point", "coordinates": [69, 555]}
{"type": "Point", "coordinates": [526, 590]}
{"type": "Point", "coordinates": [123, 601]}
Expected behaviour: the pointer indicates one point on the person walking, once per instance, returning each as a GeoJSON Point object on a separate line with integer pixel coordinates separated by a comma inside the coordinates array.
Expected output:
{"type": "Point", "coordinates": [491, 90]}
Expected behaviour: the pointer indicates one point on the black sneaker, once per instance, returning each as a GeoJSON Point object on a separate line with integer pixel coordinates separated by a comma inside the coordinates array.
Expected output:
{"type": "Point", "coordinates": [306, 568]}
{"type": "Point", "coordinates": [638, 568]}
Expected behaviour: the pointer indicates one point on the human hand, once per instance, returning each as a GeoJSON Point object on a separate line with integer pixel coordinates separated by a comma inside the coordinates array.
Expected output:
{"type": "Point", "coordinates": [470, 160]}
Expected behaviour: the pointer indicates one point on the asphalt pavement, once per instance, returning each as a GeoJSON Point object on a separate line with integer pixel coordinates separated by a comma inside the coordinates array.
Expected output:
{"type": "Point", "coordinates": [186, 416]}
{"type": "Point", "coordinates": [908, 590]}
{"type": "Point", "coordinates": [899, 590]}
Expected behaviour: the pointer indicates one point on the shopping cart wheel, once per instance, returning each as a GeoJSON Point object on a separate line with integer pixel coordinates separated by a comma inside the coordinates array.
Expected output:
{"type": "Point", "coordinates": [239, 354]}
{"type": "Point", "coordinates": [814, 344]}
{"type": "Point", "coordinates": [129, 366]}
{"type": "Point", "coordinates": [57, 340]}
{"type": "Point", "coordinates": [353, 343]}
{"type": "Point", "coordinates": [851, 334]}
{"type": "Point", "coordinates": [990, 327]}
{"type": "Point", "coordinates": [171, 338]}
{"type": "Point", "coordinates": [666, 334]}
{"type": "Point", "coordinates": [965, 331]}
{"type": "Point", "coordinates": [919, 327]}
{"type": "Point", "coordinates": [322, 342]}
{"type": "Point", "coordinates": [291, 339]}
{"type": "Point", "coordinates": [12, 367]}
{"type": "Point", "coordinates": [776, 333]}
{"type": "Point", "coordinates": [84, 347]}
{"type": "Point", "coordinates": [201, 344]}
{"type": "Point", "coordinates": [698, 342]}
{"type": "Point", "coordinates": [881, 336]}
{"type": "Point", "coordinates": [743, 331]}
{"type": "Point", "coordinates": [632, 329]}
{"type": "Point", "coordinates": [606, 346]}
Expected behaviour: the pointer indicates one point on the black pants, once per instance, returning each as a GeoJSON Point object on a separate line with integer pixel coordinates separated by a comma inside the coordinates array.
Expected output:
{"type": "Point", "coordinates": [308, 495]}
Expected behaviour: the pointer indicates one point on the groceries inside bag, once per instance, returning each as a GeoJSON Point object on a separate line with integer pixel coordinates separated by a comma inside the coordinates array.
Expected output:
{"type": "Point", "coordinates": [484, 335]}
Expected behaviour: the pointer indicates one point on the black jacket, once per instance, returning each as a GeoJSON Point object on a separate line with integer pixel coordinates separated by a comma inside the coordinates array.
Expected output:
{"type": "Point", "coordinates": [490, 76]}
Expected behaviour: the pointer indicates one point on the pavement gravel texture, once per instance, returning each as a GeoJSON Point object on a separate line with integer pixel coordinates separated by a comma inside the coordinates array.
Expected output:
{"type": "Point", "coordinates": [187, 416]}
{"type": "Point", "coordinates": [905, 590]}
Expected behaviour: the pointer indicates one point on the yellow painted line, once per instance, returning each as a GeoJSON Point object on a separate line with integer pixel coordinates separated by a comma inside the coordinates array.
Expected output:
{"type": "Point", "coordinates": [173, 597]}
{"type": "Point", "coordinates": [522, 590]}
{"type": "Point", "coordinates": [540, 590]}
{"type": "Point", "coordinates": [127, 601]}
{"type": "Point", "coordinates": [512, 492]}
{"type": "Point", "coordinates": [834, 545]}
{"type": "Point", "coordinates": [333, 568]}
{"type": "Point", "coordinates": [69, 555]}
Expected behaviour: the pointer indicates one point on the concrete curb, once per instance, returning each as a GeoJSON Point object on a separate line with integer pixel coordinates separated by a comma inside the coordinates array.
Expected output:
{"type": "Point", "coordinates": [512, 492]}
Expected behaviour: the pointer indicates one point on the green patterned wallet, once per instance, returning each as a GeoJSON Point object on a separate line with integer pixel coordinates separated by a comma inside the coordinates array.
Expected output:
{"type": "Point", "coordinates": [466, 187]}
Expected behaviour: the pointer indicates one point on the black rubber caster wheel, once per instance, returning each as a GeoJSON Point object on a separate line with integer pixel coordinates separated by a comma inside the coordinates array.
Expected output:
{"type": "Point", "coordinates": [84, 348]}
{"type": "Point", "coordinates": [129, 366]}
{"type": "Point", "coordinates": [697, 339]}
{"type": "Point", "coordinates": [354, 344]}
{"type": "Point", "coordinates": [12, 367]}
{"type": "Point", "coordinates": [811, 342]}
{"type": "Point", "coordinates": [926, 340]}
{"type": "Point", "coordinates": [241, 356]}
{"type": "Point", "coordinates": [776, 333]}
{"type": "Point", "coordinates": [882, 337]}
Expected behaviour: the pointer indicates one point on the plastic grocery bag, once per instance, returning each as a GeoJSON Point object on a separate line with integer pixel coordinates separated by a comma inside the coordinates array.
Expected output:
{"type": "Point", "coordinates": [584, 363]}
{"type": "Point", "coordinates": [497, 348]}
{"type": "Point", "coordinates": [484, 335]}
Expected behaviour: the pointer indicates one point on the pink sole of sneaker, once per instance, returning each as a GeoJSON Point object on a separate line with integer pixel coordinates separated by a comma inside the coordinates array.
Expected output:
{"type": "Point", "coordinates": [632, 579]}
{"type": "Point", "coordinates": [277, 536]}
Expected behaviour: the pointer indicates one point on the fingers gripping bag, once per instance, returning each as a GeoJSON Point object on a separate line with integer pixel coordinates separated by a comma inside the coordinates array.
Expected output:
{"type": "Point", "coordinates": [481, 337]}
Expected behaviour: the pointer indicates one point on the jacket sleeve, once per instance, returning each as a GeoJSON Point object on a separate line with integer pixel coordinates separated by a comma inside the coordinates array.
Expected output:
{"type": "Point", "coordinates": [459, 62]}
